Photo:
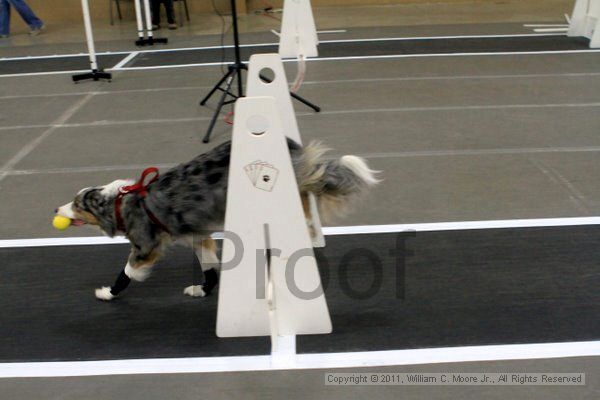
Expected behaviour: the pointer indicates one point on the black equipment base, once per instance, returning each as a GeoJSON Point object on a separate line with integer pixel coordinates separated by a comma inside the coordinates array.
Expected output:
{"type": "Point", "coordinates": [150, 41]}
{"type": "Point", "coordinates": [94, 74]}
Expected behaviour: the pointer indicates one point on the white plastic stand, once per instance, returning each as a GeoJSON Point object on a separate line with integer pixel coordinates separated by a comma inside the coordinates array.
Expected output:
{"type": "Point", "coordinates": [298, 31]}
{"type": "Point", "coordinates": [278, 89]}
{"type": "Point", "coordinates": [95, 73]}
{"type": "Point", "coordinates": [281, 295]}
{"type": "Point", "coordinates": [145, 34]}
{"type": "Point", "coordinates": [585, 21]}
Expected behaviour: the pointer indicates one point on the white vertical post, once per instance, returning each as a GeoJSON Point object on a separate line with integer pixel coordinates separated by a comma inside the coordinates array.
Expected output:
{"type": "Point", "coordinates": [89, 34]}
{"type": "Point", "coordinates": [148, 18]}
{"type": "Point", "coordinates": [138, 18]}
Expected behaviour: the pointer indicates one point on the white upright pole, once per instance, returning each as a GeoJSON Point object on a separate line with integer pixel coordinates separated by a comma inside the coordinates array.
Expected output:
{"type": "Point", "coordinates": [89, 35]}
{"type": "Point", "coordinates": [138, 18]}
{"type": "Point", "coordinates": [95, 74]}
{"type": "Point", "coordinates": [148, 19]}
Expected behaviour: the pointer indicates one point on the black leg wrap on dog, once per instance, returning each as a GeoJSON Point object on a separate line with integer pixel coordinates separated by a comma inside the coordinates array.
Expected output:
{"type": "Point", "coordinates": [211, 279]}
{"type": "Point", "coordinates": [120, 284]}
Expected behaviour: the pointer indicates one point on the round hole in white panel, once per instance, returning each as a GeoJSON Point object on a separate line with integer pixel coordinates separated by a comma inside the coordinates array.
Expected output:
{"type": "Point", "coordinates": [257, 124]}
{"type": "Point", "coordinates": [266, 75]}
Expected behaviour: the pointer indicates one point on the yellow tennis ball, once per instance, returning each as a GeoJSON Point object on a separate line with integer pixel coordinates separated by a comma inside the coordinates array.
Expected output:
{"type": "Point", "coordinates": [61, 223]}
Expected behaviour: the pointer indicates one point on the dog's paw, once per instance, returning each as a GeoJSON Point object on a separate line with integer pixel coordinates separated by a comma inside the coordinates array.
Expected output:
{"type": "Point", "coordinates": [104, 294]}
{"type": "Point", "coordinates": [194, 291]}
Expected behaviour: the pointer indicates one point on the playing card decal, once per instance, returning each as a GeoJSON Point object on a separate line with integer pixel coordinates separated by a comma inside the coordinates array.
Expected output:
{"type": "Point", "coordinates": [262, 175]}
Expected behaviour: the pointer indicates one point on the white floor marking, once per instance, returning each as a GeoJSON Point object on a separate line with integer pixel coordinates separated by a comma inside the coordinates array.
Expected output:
{"type": "Point", "coordinates": [401, 39]}
{"type": "Point", "coordinates": [478, 152]}
{"type": "Point", "coordinates": [78, 170]}
{"type": "Point", "coordinates": [551, 30]}
{"type": "Point", "coordinates": [124, 61]}
{"type": "Point", "coordinates": [308, 114]}
{"type": "Point", "coordinates": [433, 55]}
{"type": "Point", "coordinates": [455, 108]}
{"type": "Point", "coordinates": [29, 147]}
{"type": "Point", "coordinates": [302, 361]}
{"type": "Point", "coordinates": [323, 82]}
{"type": "Point", "coordinates": [398, 154]}
{"type": "Point", "coordinates": [542, 25]}
{"type": "Point", "coordinates": [337, 230]}
{"type": "Point", "coordinates": [450, 77]}
{"type": "Point", "coordinates": [77, 71]}
{"type": "Point", "coordinates": [332, 31]}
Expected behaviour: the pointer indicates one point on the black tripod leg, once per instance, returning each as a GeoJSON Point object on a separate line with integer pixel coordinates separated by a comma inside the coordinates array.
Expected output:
{"type": "Point", "coordinates": [304, 101]}
{"type": "Point", "coordinates": [218, 110]}
{"type": "Point", "coordinates": [295, 96]}
{"type": "Point", "coordinates": [217, 86]}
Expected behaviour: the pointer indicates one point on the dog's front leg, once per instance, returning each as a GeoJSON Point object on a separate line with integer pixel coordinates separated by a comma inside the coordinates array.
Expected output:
{"type": "Point", "coordinates": [138, 268]}
{"type": "Point", "coordinates": [206, 251]}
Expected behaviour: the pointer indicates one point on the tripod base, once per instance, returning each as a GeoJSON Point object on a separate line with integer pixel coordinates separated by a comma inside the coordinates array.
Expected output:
{"type": "Point", "coordinates": [235, 71]}
{"type": "Point", "coordinates": [94, 74]}
{"type": "Point", "coordinates": [150, 41]}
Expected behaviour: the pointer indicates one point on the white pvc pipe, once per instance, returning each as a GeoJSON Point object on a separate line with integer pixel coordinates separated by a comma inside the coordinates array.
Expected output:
{"type": "Point", "coordinates": [148, 18]}
{"type": "Point", "coordinates": [138, 18]}
{"type": "Point", "coordinates": [88, 34]}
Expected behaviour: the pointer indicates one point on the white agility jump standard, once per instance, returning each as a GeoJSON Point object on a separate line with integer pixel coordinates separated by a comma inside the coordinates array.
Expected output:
{"type": "Point", "coordinates": [298, 31]}
{"type": "Point", "coordinates": [278, 89]}
{"type": "Point", "coordinates": [284, 298]}
{"type": "Point", "coordinates": [585, 21]}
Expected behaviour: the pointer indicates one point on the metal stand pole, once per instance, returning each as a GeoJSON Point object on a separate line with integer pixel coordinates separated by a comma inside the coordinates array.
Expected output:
{"type": "Point", "coordinates": [142, 40]}
{"type": "Point", "coordinates": [233, 70]}
{"type": "Point", "coordinates": [95, 74]}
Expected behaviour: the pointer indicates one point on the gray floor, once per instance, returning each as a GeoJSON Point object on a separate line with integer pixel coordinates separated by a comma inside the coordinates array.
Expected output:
{"type": "Point", "coordinates": [308, 384]}
{"type": "Point", "coordinates": [457, 138]}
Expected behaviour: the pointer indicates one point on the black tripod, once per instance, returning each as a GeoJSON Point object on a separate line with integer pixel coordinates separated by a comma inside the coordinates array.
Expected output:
{"type": "Point", "coordinates": [235, 71]}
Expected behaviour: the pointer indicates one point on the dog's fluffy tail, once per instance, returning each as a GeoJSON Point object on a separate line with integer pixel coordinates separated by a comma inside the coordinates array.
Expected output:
{"type": "Point", "coordinates": [337, 184]}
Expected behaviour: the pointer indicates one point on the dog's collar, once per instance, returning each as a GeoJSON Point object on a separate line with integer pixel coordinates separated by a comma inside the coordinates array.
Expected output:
{"type": "Point", "coordinates": [140, 188]}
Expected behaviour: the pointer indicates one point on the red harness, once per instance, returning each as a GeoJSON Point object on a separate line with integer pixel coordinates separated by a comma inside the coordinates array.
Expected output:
{"type": "Point", "coordinates": [140, 188]}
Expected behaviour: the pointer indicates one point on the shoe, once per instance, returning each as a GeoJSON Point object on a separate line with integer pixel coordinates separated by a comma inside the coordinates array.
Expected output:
{"type": "Point", "coordinates": [155, 27]}
{"type": "Point", "coordinates": [172, 26]}
{"type": "Point", "coordinates": [37, 31]}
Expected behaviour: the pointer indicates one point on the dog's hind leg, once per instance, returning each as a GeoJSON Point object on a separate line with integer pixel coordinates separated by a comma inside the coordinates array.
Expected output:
{"type": "Point", "coordinates": [206, 251]}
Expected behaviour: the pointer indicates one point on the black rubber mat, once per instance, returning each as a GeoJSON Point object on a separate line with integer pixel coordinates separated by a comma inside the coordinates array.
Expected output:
{"type": "Point", "coordinates": [376, 48]}
{"type": "Point", "coordinates": [344, 49]}
{"type": "Point", "coordinates": [462, 288]}
{"type": "Point", "coordinates": [458, 288]}
{"type": "Point", "coordinates": [10, 67]}
{"type": "Point", "coordinates": [50, 312]}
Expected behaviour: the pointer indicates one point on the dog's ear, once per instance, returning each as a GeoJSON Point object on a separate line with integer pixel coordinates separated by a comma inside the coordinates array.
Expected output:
{"type": "Point", "coordinates": [101, 206]}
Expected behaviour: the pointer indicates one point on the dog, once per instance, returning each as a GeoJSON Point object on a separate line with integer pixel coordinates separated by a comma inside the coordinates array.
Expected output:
{"type": "Point", "coordinates": [188, 203]}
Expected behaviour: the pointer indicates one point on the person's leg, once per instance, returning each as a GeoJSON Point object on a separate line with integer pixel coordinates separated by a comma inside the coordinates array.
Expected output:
{"type": "Point", "coordinates": [27, 14]}
{"type": "Point", "coordinates": [170, 12]}
{"type": "Point", "coordinates": [155, 6]}
{"type": "Point", "coordinates": [4, 18]}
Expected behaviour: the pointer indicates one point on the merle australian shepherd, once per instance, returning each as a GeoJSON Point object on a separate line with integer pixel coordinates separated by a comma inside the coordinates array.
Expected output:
{"type": "Point", "coordinates": [187, 203]}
